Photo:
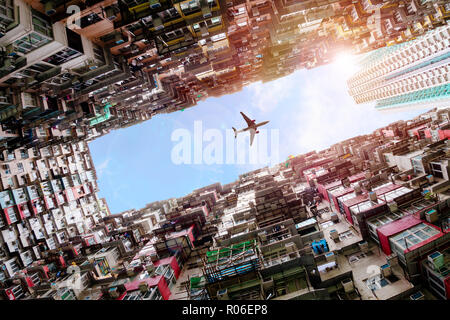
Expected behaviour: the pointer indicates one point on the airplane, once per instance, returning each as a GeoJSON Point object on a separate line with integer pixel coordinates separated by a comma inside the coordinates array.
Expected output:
{"type": "Point", "coordinates": [251, 125]}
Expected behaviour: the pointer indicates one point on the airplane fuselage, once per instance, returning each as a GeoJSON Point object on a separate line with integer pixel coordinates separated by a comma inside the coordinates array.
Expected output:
{"type": "Point", "coordinates": [254, 126]}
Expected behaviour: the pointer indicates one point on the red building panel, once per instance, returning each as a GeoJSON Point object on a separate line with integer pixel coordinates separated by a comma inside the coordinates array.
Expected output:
{"type": "Point", "coordinates": [340, 194]}
{"type": "Point", "coordinates": [447, 287]}
{"type": "Point", "coordinates": [323, 188]}
{"type": "Point", "coordinates": [173, 263]}
{"type": "Point", "coordinates": [8, 219]}
{"type": "Point", "coordinates": [186, 232]}
{"type": "Point", "coordinates": [358, 199]}
{"type": "Point", "coordinates": [357, 177]}
{"type": "Point", "coordinates": [420, 244]}
{"type": "Point", "coordinates": [30, 282]}
{"type": "Point", "coordinates": [151, 282]}
{"type": "Point", "coordinates": [444, 134]}
{"type": "Point", "coordinates": [390, 229]}
{"type": "Point", "coordinates": [387, 189]}
{"type": "Point", "coordinates": [20, 208]}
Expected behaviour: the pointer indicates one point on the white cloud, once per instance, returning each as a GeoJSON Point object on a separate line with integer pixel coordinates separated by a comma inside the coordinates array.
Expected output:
{"type": "Point", "coordinates": [102, 168]}
{"type": "Point", "coordinates": [266, 96]}
{"type": "Point", "coordinates": [325, 116]}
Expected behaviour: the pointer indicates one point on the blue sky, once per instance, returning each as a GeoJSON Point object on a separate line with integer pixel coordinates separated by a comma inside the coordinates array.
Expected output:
{"type": "Point", "coordinates": [311, 109]}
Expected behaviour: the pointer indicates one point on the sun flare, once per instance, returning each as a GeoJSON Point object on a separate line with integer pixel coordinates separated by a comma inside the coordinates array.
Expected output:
{"type": "Point", "coordinates": [346, 63]}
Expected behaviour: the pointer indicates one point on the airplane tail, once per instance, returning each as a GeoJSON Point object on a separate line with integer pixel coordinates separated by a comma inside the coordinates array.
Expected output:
{"type": "Point", "coordinates": [235, 132]}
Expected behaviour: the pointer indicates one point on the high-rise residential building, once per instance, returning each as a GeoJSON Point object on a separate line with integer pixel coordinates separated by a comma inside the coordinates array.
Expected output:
{"type": "Point", "coordinates": [49, 208]}
{"type": "Point", "coordinates": [411, 74]}
{"type": "Point", "coordinates": [100, 65]}
{"type": "Point", "coordinates": [307, 228]}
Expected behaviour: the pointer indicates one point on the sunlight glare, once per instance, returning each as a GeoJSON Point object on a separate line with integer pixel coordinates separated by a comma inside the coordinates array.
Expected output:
{"type": "Point", "coordinates": [346, 63]}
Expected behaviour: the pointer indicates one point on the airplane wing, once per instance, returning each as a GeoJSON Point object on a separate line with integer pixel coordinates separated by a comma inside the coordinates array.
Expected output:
{"type": "Point", "coordinates": [247, 119]}
{"type": "Point", "coordinates": [252, 135]}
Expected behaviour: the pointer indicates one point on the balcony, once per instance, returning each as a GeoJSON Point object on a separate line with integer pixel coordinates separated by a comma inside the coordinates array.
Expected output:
{"type": "Point", "coordinates": [238, 259]}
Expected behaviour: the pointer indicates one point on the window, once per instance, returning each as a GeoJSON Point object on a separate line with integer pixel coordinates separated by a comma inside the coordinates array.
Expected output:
{"type": "Point", "coordinates": [214, 21]}
{"type": "Point", "coordinates": [436, 170]}
{"type": "Point", "coordinates": [23, 154]}
{"type": "Point", "coordinates": [6, 14]}
{"type": "Point", "coordinates": [421, 235]}
{"type": "Point", "coordinates": [41, 24]}
{"type": "Point", "coordinates": [417, 165]}
{"type": "Point", "coordinates": [412, 236]}
{"type": "Point", "coordinates": [30, 42]}
{"type": "Point", "coordinates": [169, 14]}
{"type": "Point", "coordinates": [14, 267]}
{"type": "Point", "coordinates": [218, 37]}
{"type": "Point", "coordinates": [62, 56]}
{"type": "Point", "coordinates": [152, 294]}
{"type": "Point", "coordinates": [174, 34]}
{"type": "Point", "coordinates": [190, 7]}
{"type": "Point", "coordinates": [89, 20]}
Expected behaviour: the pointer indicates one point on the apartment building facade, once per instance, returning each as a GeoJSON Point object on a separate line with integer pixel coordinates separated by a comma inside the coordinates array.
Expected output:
{"type": "Point", "coordinates": [103, 65]}
{"type": "Point", "coordinates": [411, 74]}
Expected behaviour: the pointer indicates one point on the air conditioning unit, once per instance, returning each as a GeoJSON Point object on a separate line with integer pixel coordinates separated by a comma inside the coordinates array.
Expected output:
{"type": "Point", "coordinates": [436, 259]}
{"type": "Point", "coordinates": [363, 246]}
{"type": "Point", "coordinates": [334, 235]}
{"type": "Point", "coordinates": [348, 285]}
{"type": "Point", "coordinates": [392, 259]}
{"type": "Point", "coordinates": [393, 206]}
{"type": "Point", "coordinates": [334, 217]}
{"type": "Point", "coordinates": [357, 189]}
{"type": "Point", "coordinates": [154, 4]}
{"type": "Point", "coordinates": [431, 216]}
{"type": "Point", "coordinates": [222, 294]}
{"type": "Point", "coordinates": [113, 293]}
{"type": "Point", "coordinates": [417, 296]}
{"type": "Point", "coordinates": [430, 178]}
{"type": "Point", "coordinates": [49, 8]}
{"type": "Point", "coordinates": [330, 256]}
{"type": "Point", "coordinates": [372, 196]}
{"type": "Point", "coordinates": [386, 270]}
